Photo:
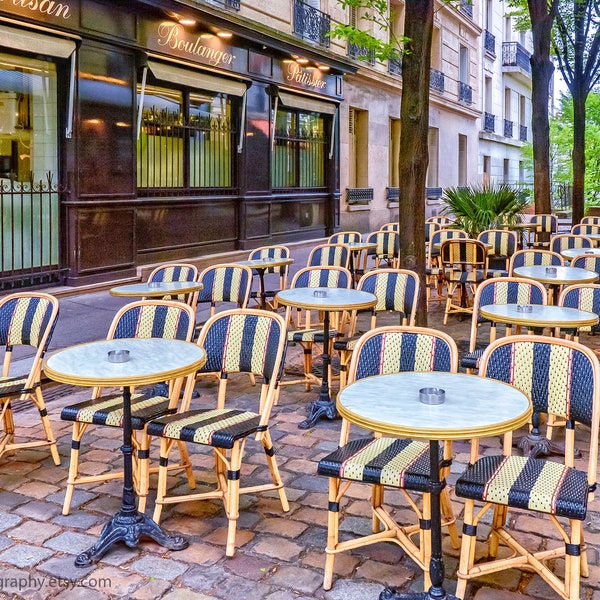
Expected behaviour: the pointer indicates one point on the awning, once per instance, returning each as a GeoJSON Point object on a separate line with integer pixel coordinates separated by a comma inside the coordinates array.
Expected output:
{"type": "Point", "coordinates": [306, 103]}
{"type": "Point", "coordinates": [196, 79]}
{"type": "Point", "coordinates": [37, 43]}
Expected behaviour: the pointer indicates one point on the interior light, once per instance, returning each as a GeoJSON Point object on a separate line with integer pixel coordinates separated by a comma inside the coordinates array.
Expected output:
{"type": "Point", "coordinates": [187, 21]}
{"type": "Point", "coordinates": [323, 68]}
{"type": "Point", "coordinates": [302, 61]}
{"type": "Point", "coordinates": [224, 35]}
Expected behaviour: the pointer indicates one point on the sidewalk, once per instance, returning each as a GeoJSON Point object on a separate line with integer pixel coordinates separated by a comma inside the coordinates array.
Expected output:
{"type": "Point", "coordinates": [280, 556]}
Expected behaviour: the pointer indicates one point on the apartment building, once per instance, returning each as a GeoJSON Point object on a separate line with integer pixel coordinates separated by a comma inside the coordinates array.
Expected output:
{"type": "Point", "coordinates": [134, 132]}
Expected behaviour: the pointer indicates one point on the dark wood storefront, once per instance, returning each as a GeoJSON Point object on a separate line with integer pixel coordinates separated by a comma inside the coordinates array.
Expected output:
{"type": "Point", "coordinates": [115, 213]}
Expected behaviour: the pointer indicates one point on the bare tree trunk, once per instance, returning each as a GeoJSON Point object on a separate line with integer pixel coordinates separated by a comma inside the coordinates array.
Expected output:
{"type": "Point", "coordinates": [542, 17]}
{"type": "Point", "coordinates": [414, 155]}
{"type": "Point", "coordinates": [578, 156]}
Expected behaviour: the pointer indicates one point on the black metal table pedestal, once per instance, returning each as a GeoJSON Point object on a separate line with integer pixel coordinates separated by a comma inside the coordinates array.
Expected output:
{"type": "Point", "coordinates": [535, 444]}
{"type": "Point", "coordinates": [436, 565]}
{"type": "Point", "coordinates": [324, 406]}
{"type": "Point", "coordinates": [128, 525]}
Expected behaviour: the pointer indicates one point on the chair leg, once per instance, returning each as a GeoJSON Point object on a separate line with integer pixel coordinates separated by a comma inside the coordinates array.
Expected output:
{"type": "Point", "coordinates": [161, 488]}
{"type": "Point", "coordinates": [274, 470]}
{"type": "Point", "coordinates": [467, 549]}
{"type": "Point", "coordinates": [333, 527]}
{"type": "Point", "coordinates": [9, 428]}
{"type": "Point", "coordinates": [573, 562]}
{"type": "Point", "coordinates": [78, 431]}
{"type": "Point", "coordinates": [232, 496]}
{"type": "Point", "coordinates": [38, 399]}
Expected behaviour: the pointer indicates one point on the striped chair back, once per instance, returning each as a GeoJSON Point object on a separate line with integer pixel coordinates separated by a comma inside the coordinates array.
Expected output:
{"type": "Point", "coordinates": [395, 349]}
{"type": "Point", "coordinates": [225, 283]}
{"type": "Point", "coordinates": [546, 226]}
{"type": "Point", "coordinates": [591, 262]}
{"type": "Point", "coordinates": [388, 246]}
{"type": "Point", "coordinates": [177, 272]}
{"type": "Point", "coordinates": [440, 220]}
{"type": "Point", "coordinates": [584, 296]}
{"type": "Point", "coordinates": [531, 257]}
{"type": "Point", "coordinates": [390, 227]}
{"type": "Point", "coordinates": [439, 237]}
{"type": "Point", "coordinates": [396, 290]}
{"type": "Point", "coordinates": [504, 243]}
{"type": "Point", "coordinates": [271, 252]}
{"type": "Point", "coordinates": [345, 237]}
{"type": "Point", "coordinates": [166, 319]}
{"type": "Point", "coordinates": [27, 318]}
{"type": "Point", "coordinates": [244, 341]}
{"type": "Point", "coordinates": [463, 253]}
{"type": "Point", "coordinates": [331, 255]}
{"type": "Point", "coordinates": [567, 240]}
{"type": "Point", "coordinates": [585, 229]}
{"type": "Point", "coordinates": [430, 228]}
{"type": "Point", "coordinates": [590, 221]}
{"type": "Point", "coordinates": [322, 277]}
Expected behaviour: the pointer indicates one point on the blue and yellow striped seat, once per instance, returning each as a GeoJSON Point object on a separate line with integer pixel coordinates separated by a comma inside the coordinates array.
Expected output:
{"type": "Point", "coordinates": [282, 272]}
{"type": "Point", "coordinates": [167, 319]}
{"type": "Point", "coordinates": [433, 268]}
{"type": "Point", "coordinates": [585, 229]}
{"type": "Point", "coordinates": [591, 262]}
{"type": "Point", "coordinates": [177, 272]}
{"type": "Point", "coordinates": [504, 244]}
{"type": "Point", "coordinates": [397, 291]}
{"type": "Point", "coordinates": [585, 296]}
{"type": "Point", "coordinates": [26, 319]}
{"type": "Point", "coordinates": [303, 329]}
{"type": "Point", "coordinates": [503, 290]}
{"type": "Point", "coordinates": [562, 378]}
{"type": "Point", "coordinates": [236, 341]}
{"type": "Point", "coordinates": [545, 227]}
{"type": "Point", "coordinates": [383, 461]}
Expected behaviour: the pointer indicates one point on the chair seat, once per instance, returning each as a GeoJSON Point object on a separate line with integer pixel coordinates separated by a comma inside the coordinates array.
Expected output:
{"type": "Point", "coordinates": [529, 483]}
{"type": "Point", "coordinates": [388, 461]}
{"type": "Point", "coordinates": [458, 276]}
{"type": "Point", "coordinates": [11, 386]}
{"type": "Point", "coordinates": [220, 427]}
{"type": "Point", "coordinates": [497, 273]}
{"type": "Point", "coordinates": [309, 335]}
{"type": "Point", "coordinates": [108, 410]}
{"type": "Point", "coordinates": [346, 343]}
{"type": "Point", "coordinates": [471, 360]}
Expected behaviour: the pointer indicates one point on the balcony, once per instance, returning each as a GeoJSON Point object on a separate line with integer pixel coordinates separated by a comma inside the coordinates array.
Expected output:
{"type": "Point", "coordinates": [515, 60]}
{"type": "Point", "coordinates": [522, 133]}
{"type": "Point", "coordinates": [395, 66]}
{"type": "Point", "coordinates": [508, 128]}
{"type": "Point", "coordinates": [232, 4]}
{"type": "Point", "coordinates": [489, 42]}
{"type": "Point", "coordinates": [465, 93]}
{"type": "Point", "coordinates": [311, 24]}
{"type": "Point", "coordinates": [489, 122]}
{"type": "Point", "coordinates": [436, 80]}
{"type": "Point", "coordinates": [466, 7]}
{"type": "Point", "coordinates": [361, 53]}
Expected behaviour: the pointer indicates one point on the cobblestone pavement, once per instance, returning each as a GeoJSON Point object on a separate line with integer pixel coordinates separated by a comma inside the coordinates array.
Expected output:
{"type": "Point", "coordinates": [279, 556]}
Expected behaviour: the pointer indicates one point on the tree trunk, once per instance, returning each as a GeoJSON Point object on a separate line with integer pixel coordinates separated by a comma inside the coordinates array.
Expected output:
{"type": "Point", "coordinates": [578, 155]}
{"type": "Point", "coordinates": [541, 72]}
{"type": "Point", "coordinates": [414, 130]}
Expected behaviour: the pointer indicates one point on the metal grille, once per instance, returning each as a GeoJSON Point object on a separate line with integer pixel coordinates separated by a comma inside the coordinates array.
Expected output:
{"type": "Point", "coordinates": [523, 133]}
{"type": "Point", "coordinates": [489, 42]}
{"type": "Point", "coordinates": [436, 80]}
{"type": "Point", "coordinates": [465, 93]}
{"type": "Point", "coordinates": [359, 195]}
{"type": "Point", "coordinates": [311, 24]}
{"type": "Point", "coordinates": [508, 128]}
{"type": "Point", "coordinates": [395, 66]}
{"type": "Point", "coordinates": [183, 155]}
{"type": "Point", "coordinates": [361, 53]}
{"type": "Point", "coordinates": [29, 239]}
{"type": "Point", "coordinates": [489, 123]}
{"type": "Point", "coordinates": [466, 7]}
{"type": "Point", "coordinates": [515, 55]}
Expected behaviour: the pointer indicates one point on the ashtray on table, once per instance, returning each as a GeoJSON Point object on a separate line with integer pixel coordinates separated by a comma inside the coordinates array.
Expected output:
{"type": "Point", "coordinates": [320, 293]}
{"type": "Point", "coordinates": [432, 395]}
{"type": "Point", "coordinates": [551, 271]}
{"type": "Point", "coordinates": [524, 308]}
{"type": "Point", "coordinates": [118, 356]}
{"type": "Point", "coordinates": [155, 284]}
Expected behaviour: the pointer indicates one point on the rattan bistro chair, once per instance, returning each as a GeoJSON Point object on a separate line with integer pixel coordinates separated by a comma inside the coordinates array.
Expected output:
{"type": "Point", "coordinates": [239, 340]}
{"type": "Point", "coordinates": [385, 462]}
{"type": "Point", "coordinates": [177, 272]}
{"type": "Point", "coordinates": [562, 378]}
{"type": "Point", "coordinates": [530, 257]}
{"type": "Point", "coordinates": [329, 255]}
{"type": "Point", "coordinates": [26, 319]}
{"type": "Point", "coordinates": [282, 272]}
{"type": "Point", "coordinates": [167, 319]}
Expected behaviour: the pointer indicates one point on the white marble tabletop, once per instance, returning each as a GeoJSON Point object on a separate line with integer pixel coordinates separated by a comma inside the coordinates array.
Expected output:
{"type": "Point", "coordinates": [571, 253]}
{"type": "Point", "coordinates": [563, 274]}
{"type": "Point", "coordinates": [358, 246]}
{"type": "Point", "coordinates": [157, 289]}
{"type": "Point", "coordinates": [326, 298]}
{"type": "Point", "coordinates": [266, 263]}
{"type": "Point", "coordinates": [541, 315]}
{"type": "Point", "coordinates": [151, 361]}
{"type": "Point", "coordinates": [474, 406]}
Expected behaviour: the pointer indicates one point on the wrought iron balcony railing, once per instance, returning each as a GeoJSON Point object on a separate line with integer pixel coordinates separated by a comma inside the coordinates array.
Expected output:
{"type": "Point", "coordinates": [361, 53]}
{"type": "Point", "coordinates": [522, 133]}
{"type": "Point", "coordinates": [466, 7]}
{"type": "Point", "coordinates": [436, 80]}
{"type": "Point", "coordinates": [311, 24]}
{"type": "Point", "coordinates": [489, 42]}
{"type": "Point", "coordinates": [489, 122]}
{"type": "Point", "coordinates": [465, 93]}
{"type": "Point", "coordinates": [233, 4]}
{"type": "Point", "coordinates": [508, 128]}
{"type": "Point", "coordinates": [395, 66]}
{"type": "Point", "coordinates": [515, 55]}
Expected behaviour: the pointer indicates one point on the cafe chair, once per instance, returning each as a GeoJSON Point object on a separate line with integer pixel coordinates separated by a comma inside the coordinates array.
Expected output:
{"type": "Point", "coordinates": [584, 296]}
{"type": "Point", "coordinates": [566, 241]}
{"type": "Point", "coordinates": [329, 255]}
{"type": "Point", "coordinates": [345, 237]}
{"type": "Point", "coordinates": [530, 257]}
{"type": "Point", "coordinates": [590, 221]}
{"type": "Point", "coordinates": [430, 228]}
{"type": "Point", "coordinates": [27, 319]}
{"type": "Point", "coordinates": [500, 290]}
{"type": "Point", "coordinates": [384, 462]}
{"type": "Point", "coordinates": [464, 264]}
{"type": "Point", "coordinates": [440, 220]}
{"type": "Point", "coordinates": [166, 319]}
{"type": "Point", "coordinates": [236, 341]}
{"type": "Point", "coordinates": [433, 268]}
{"type": "Point", "coordinates": [176, 272]}
{"type": "Point", "coordinates": [282, 272]}
{"type": "Point", "coordinates": [394, 226]}
{"type": "Point", "coordinates": [545, 227]}
{"type": "Point", "coordinates": [504, 244]}
{"type": "Point", "coordinates": [387, 251]}
{"type": "Point", "coordinates": [590, 262]}
{"type": "Point", "coordinates": [585, 229]}
{"type": "Point", "coordinates": [306, 329]}
{"type": "Point", "coordinates": [397, 292]}
{"type": "Point", "coordinates": [562, 378]}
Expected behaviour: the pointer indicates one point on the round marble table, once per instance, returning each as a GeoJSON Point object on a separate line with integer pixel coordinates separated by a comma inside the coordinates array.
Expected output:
{"type": "Point", "coordinates": [562, 276]}
{"type": "Point", "coordinates": [326, 300]}
{"type": "Point", "coordinates": [356, 248]}
{"type": "Point", "coordinates": [150, 361]}
{"type": "Point", "coordinates": [571, 253]}
{"type": "Point", "coordinates": [474, 407]}
{"type": "Point", "coordinates": [261, 266]}
{"type": "Point", "coordinates": [156, 289]}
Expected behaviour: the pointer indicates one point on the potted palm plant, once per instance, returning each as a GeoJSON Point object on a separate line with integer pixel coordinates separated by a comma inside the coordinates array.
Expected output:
{"type": "Point", "coordinates": [487, 206]}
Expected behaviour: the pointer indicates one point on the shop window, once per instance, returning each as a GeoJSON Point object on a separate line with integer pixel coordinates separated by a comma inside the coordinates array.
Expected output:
{"type": "Point", "coordinates": [433, 147]}
{"type": "Point", "coordinates": [394, 152]}
{"type": "Point", "coordinates": [185, 141]}
{"type": "Point", "coordinates": [300, 149]}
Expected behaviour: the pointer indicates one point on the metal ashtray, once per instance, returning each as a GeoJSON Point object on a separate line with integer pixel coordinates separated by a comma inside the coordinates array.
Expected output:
{"type": "Point", "coordinates": [432, 395]}
{"type": "Point", "coordinates": [118, 356]}
{"type": "Point", "coordinates": [320, 293]}
{"type": "Point", "coordinates": [155, 284]}
{"type": "Point", "coordinates": [266, 259]}
{"type": "Point", "coordinates": [550, 270]}
{"type": "Point", "coordinates": [524, 308]}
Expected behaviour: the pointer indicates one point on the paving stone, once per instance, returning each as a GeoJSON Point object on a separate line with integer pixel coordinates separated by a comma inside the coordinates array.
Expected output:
{"type": "Point", "coordinates": [282, 526]}
{"type": "Point", "coordinates": [10, 500]}
{"type": "Point", "coordinates": [251, 567]}
{"type": "Point", "coordinates": [5, 542]}
{"type": "Point", "coordinates": [346, 589]}
{"type": "Point", "coordinates": [81, 593]}
{"type": "Point", "coordinates": [151, 590]}
{"type": "Point", "coordinates": [38, 510]}
{"type": "Point", "coordinates": [487, 593]}
{"type": "Point", "coordinates": [71, 542]}
{"type": "Point", "coordinates": [199, 554]}
{"type": "Point", "coordinates": [63, 567]}
{"type": "Point", "coordinates": [185, 594]}
{"type": "Point", "coordinates": [204, 579]}
{"type": "Point", "coordinates": [160, 568]}
{"type": "Point", "coordinates": [237, 587]}
{"type": "Point", "coordinates": [8, 520]}
{"type": "Point", "coordinates": [79, 497]}
{"type": "Point", "coordinates": [117, 582]}
{"type": "Point", "coordinates": [298, 579]}
{"type": "Point", "coordinates": [34, 533]}
{"type": "Point", "coordinates": [119, 554]}
{"type": "Point", "coordinates": [77, 520]}
{"type": "Point", "coordinates": [388, 574]}
{"type": "Point", "coordinates": [36, 489]}
{"type": "Point", "coordinates": [24, 555]}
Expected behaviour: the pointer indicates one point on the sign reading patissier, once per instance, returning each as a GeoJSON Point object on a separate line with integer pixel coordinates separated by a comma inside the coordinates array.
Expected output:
{"type": "Point", "coordinates": [49, 11]}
